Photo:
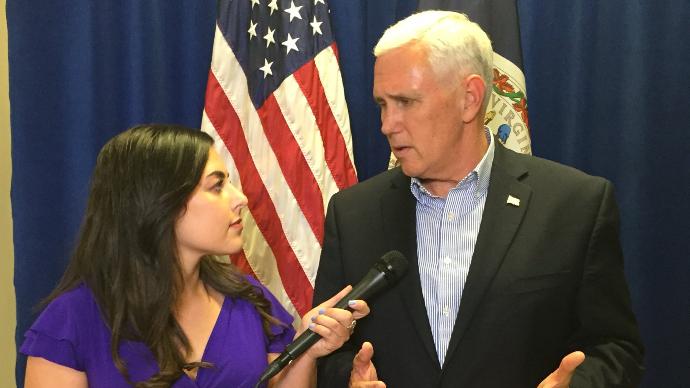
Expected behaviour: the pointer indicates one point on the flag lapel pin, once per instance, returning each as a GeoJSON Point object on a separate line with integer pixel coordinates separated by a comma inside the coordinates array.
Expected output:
{"type": "Point", "coordinates": [513, 201]}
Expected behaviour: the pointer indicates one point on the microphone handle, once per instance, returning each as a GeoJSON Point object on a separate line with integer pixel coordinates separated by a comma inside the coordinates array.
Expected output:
{"type": "Point", "coordinates": [372, 282]}
{"type": "Point", "coordinates": [368, 285]}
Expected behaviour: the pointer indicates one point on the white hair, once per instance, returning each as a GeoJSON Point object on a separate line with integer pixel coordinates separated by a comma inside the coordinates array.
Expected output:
{"type": "Point", "coordinates": [453, 43]}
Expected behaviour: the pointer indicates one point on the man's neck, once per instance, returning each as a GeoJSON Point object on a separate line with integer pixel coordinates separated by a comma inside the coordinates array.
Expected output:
{"type": "Point", "coordinates": [469, 156]}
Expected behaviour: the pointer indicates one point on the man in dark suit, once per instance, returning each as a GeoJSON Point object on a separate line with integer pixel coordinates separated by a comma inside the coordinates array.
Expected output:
{"type": "Point", "coordinates": [516, 272]}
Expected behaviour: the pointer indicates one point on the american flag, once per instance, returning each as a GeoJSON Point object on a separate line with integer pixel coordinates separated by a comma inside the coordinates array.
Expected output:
{"type": "Point", "coordinates": [276, 108]}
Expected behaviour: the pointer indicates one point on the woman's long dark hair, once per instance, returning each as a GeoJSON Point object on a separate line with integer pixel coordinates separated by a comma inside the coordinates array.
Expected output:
{"type": "Point", "coordinates": [126, 251]}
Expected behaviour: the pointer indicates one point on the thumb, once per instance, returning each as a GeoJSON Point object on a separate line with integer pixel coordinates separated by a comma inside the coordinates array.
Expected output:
{"type": "Point", "coordinates": [363, 357]}
{"type": "Point", "coordinates": [568, 364]}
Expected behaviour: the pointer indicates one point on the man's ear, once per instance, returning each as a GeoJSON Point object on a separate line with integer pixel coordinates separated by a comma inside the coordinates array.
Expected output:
{"type": "Point", "coordinates": [475, 90]}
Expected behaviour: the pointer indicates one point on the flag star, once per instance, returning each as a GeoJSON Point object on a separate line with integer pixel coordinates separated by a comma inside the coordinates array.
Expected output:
{"type": "Point", "coordinates": [266, 68]}
{"type": "Point", "coordinates": [319, 1]}
{"type": "Point", "coordinates": [269, 36]}
{"type": "Point", "coordinates": [255, 2]}
{"type": "Point", "coordinates": [273, 5]}
{"type": "Point", "coordinates": [252, 29]}
{"type": "Point", "coordinates": [294, 11]}
{"type": "Point", "coordinates": [316, 26]}
{"type": "Point", "coordinates": [291, 44]}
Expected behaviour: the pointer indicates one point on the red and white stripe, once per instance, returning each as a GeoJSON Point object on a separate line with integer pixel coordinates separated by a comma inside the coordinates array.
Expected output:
{"type": "Point", "coordinates": [288, 157]}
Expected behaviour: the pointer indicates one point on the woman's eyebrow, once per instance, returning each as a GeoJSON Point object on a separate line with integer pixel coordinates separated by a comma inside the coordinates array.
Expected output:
{"type": "Point", "coordinates": [217, 173]}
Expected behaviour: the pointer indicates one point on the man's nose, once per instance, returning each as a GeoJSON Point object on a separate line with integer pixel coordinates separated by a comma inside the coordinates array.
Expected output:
{"type": "Point", "coordinates": [389, 122]}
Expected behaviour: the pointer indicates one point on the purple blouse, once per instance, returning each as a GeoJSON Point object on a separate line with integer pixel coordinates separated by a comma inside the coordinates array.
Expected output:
{"type": "Point", "coordinates": [72, 332]}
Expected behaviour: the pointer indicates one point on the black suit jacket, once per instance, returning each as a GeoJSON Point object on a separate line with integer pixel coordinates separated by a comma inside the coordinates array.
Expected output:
{"type": "Point", "coordinates": [546, 278]}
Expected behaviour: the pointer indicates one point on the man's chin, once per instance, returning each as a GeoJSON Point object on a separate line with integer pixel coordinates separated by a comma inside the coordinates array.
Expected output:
{"type": "Point", "coordinates": [408, 170]}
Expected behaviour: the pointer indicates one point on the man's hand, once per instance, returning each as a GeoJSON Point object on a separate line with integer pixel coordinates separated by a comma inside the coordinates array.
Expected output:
{"type": "Point", "coordinates": [560, 378]}
{"type": "Point", "coordinates": [363, 371]}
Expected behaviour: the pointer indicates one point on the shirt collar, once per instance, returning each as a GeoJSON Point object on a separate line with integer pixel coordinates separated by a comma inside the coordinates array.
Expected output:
{"type": "Point", "coordinates": [482, 171]}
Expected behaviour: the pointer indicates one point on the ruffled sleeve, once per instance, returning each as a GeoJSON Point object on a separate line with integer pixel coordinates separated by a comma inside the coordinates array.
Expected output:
{"type": "Point", "coordinates": [55, 335]}
{"type": "Point", "coordinates": [282, 334]}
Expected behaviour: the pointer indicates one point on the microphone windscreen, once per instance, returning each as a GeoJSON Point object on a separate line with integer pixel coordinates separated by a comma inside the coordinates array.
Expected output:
{"type": "Point", "coordinates": [393, 264]}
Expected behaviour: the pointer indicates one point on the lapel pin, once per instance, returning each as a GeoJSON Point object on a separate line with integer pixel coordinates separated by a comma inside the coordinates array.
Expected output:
{"type": "Point", "coordinates": [513, 201]}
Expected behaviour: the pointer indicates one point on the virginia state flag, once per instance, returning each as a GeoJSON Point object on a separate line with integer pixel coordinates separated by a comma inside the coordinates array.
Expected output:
{"type": "Point", "coordinates": [506, 114]}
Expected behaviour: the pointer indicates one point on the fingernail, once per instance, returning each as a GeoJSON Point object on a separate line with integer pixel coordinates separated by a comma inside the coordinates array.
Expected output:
{"type": "Point", "coordinates": [311, 325]}
{"type": "Point", "coordinates": [351, 302]}
{"type": "Point", "coordinates": [313, 318]}
{"type": "Point", "coordinates": [321, 311]}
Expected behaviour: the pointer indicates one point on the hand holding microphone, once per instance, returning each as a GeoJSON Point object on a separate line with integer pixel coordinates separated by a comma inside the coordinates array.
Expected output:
{"type": "Point", "coordinates": [385, 272]}
{"type": "Point", "coordinates": [332, 324]}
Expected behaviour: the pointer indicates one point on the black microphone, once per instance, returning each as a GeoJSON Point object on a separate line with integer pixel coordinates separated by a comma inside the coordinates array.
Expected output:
{"type": "Point", "coordinates": [385, 272]}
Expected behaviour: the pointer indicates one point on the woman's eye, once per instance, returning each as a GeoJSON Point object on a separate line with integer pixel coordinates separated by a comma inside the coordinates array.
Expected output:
{"type": "Point", "coordinates": [218, 187]}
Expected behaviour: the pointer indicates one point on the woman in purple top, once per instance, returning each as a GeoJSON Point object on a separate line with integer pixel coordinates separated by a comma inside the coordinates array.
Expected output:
{"type": "Point", "coordinates": [145, 301]}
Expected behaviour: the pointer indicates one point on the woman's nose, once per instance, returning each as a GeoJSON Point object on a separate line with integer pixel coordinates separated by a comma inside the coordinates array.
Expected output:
{"type": "Point", "coordinates": [237, 197]}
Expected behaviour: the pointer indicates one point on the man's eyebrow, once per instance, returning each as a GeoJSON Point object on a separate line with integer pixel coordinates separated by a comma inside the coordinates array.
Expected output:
{"type": "Point", "coordinates": [398, 96]}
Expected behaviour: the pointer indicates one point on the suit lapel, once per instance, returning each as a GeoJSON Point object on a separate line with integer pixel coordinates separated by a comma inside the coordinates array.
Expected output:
{"type": "Point", "coordinates": [500, 221]}
{"type": "Point", "coordinates": [399, 214]}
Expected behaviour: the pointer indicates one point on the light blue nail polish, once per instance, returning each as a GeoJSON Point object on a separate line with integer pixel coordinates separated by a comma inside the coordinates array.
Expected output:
{"type": "Point", "coordinates": [313, 319]}
{"type": "Point", "coordinates": [321, 311]}
{"type": "Point", "coordinates": [312, 325]}
{"type": "Point", "coordinates": [351, 302]}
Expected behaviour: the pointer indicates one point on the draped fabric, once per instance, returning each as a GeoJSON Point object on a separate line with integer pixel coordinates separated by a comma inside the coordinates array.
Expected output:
{"type": "Point", "coordinates": [358, 25]}
{"type": "Point", "coordinates": [506, 114]}
{"type": "Point", "coordinates": [607, 88]}
{"type": "Point", "coordinates": [276, 106]}
{"type": "Point", "coordinates": [80, 72]}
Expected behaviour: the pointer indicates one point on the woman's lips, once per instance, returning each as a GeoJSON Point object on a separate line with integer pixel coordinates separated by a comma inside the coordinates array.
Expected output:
{"type": "Point", "coordinates": [236, 223]}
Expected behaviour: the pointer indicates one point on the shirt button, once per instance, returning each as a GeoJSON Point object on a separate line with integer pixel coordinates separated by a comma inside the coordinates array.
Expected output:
{"type": "Point", "coordinates": [451, 216]}
{"type": "Point", "coordinates": [446, 311]}
{"type": "Point", "coordinates": [446, 260]}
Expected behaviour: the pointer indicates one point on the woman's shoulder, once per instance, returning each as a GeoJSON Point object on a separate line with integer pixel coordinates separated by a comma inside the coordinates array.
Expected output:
{"type": "Point", "coordinates": [267, 293]}
{"type": "Point", "coordinates": [260, 286]}
{"type": "Point", "coordinates": [79, 296]}
{"type": "Point", "coordinates": [79, 302]}
{"type": "Point", "coordinates": [77, 305]}
{"type": "Point", "coordinates": [59, 333]}
{"type": "Point", "coordinates": [69, 311]}
{"type": "Point", "coordinates": [278, 309]}
{"type": "Point", "coordinates": [253, 280]}
{"type": "Point", "coordinates": [282, 331]}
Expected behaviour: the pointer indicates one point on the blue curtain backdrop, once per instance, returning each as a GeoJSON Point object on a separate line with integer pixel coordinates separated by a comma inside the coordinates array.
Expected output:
{"type": "Point", "coordinates": [608, 92]}
{"type": "Point", "coordinates": [607, 84]}
{"type": "Point", "coordinates": [80, 72]}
